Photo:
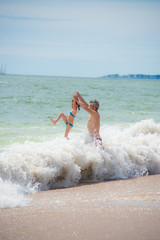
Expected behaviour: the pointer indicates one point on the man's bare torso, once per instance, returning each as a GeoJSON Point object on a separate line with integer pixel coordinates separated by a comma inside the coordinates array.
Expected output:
{"type": "Point", "coordinates": [94, 125]}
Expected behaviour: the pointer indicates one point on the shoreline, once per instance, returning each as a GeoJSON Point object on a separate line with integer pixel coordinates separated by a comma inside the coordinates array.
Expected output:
{"type": "Point", "coordinates": [110, 76]}
{"type": "Point", "coordinates": [115, 209]}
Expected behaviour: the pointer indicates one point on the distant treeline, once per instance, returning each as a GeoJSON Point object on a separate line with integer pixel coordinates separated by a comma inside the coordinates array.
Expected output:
{"type": "Point", "coordinates": [132, 76]}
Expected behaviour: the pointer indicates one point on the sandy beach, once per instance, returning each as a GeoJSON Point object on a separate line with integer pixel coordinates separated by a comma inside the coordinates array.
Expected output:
{"type": "Point", "coordinates": [119, 209]}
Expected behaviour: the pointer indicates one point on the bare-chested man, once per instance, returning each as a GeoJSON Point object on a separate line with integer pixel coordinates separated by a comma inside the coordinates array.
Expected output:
{"type": "Point", "coordinates": [94, 120]}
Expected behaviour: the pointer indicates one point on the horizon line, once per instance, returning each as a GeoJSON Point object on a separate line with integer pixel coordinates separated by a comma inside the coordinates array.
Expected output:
{"type": "Point", "coordinates": [103, 76]}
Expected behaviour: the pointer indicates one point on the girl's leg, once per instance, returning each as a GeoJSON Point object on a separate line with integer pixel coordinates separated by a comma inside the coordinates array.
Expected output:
{"type": "Point", "coordinates": [61, 115]}
{"type": "Point", "coordinates": [68, 128]}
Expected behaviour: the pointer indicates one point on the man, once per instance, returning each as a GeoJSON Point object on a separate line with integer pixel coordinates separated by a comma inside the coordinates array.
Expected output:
{"type": "Point", "coordinates": [94, 120]}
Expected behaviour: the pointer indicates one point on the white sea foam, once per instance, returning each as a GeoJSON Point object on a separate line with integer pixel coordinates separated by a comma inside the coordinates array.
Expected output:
{"type": "Point", "coordinates": [126, 153]}
{"type": "Point", "coordinates": [11, 195]}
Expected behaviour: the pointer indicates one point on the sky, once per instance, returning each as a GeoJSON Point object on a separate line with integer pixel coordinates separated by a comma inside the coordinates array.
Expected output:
{"type": "Point", "coordinates": [81, 38]}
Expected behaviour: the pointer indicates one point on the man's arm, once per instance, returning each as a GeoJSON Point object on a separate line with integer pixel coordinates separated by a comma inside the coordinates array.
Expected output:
{"type": "Point", "coordinates": [82, 102]}
{"type": "Point", "coordinates": [87, 109]}
{"type": "Point", "coordinates": [85, 105]}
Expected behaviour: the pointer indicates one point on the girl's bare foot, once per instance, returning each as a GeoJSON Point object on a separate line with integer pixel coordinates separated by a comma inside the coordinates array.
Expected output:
{"type": "Point", "coordinates": [54, 122]}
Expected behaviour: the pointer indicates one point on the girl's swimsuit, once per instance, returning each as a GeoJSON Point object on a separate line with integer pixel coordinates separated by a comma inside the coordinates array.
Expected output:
{"type": "Point", "coordinates": [67, 123]}
{"type": "Point", "coordinates": [72, 114]}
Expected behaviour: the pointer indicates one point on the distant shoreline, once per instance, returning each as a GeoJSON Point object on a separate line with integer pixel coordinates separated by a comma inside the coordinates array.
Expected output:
{"type": "Point", "coordinates": [131, 76]}
{"type": "Point", "coordinates": [140, 76]}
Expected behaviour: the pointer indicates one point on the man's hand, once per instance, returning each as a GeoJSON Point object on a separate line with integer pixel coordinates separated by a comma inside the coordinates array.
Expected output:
{"type": "Point", "coordinates": [75, 97]}
{"type": "Point", "coordinates": [78, 94]}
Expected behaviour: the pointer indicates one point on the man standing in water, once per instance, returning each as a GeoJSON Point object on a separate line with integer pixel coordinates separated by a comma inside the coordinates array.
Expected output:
{"type": "Point", "coordinates": [94, 120]}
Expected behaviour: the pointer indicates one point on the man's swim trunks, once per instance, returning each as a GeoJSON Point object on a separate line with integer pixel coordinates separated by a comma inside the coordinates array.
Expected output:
{"type": "Point", "coordinates": [98, 141]}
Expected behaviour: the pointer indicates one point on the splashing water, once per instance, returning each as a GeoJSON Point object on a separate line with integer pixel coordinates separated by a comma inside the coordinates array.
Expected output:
{"type": "Point", "coordinates": [126, 153]}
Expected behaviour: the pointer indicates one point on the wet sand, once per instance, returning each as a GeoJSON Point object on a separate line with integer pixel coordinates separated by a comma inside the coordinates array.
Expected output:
{"type": "Point", "coordinates": [121, 209]}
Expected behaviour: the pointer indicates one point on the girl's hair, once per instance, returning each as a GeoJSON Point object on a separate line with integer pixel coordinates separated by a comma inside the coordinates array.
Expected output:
{"type": "Point", "coordinates": [78, 105]}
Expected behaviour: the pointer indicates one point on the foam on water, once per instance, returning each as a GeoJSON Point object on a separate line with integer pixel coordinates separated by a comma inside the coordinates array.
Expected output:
{"type": "Point", "coordinates": [126, 153]}
{"type": "Point", "coordinates": [12, 195]}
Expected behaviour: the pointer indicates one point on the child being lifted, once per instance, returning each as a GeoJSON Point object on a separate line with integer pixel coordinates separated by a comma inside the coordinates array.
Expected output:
{"type": "Point", "coordinates": [68, 121]}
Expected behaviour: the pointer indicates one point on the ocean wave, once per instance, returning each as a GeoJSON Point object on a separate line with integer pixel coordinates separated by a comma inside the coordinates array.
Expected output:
{"type": "Point", "coordinates": [126, 153]}
{"type": "Point", "coordinates": [12, 195]}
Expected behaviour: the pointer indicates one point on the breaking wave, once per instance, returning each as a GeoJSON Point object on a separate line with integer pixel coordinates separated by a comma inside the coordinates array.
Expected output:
{"type": "Point", "coordinates": [126, 153]}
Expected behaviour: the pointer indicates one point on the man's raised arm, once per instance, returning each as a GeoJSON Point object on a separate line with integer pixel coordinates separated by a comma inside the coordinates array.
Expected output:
{"type": "Point", "coordinates": [81, 100]}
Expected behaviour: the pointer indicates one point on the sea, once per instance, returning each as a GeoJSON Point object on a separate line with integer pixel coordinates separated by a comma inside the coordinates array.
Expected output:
{"type": "Point", "coordinates": [35, 156]}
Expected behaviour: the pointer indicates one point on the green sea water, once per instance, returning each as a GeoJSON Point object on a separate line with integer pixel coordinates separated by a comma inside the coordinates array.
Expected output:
{"type": "Point", "coordinates": [28, 102]}
{"type": "Point", "coordinates": [34, 155]}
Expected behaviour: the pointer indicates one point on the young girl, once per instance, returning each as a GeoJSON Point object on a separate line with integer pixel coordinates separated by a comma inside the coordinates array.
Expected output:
{"type": "Point", "coordinates": [68, 121]}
